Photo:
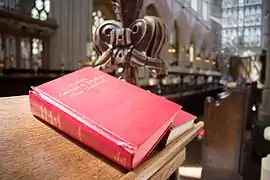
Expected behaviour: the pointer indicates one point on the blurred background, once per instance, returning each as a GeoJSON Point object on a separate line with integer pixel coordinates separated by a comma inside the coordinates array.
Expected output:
{"type": "Point", "coordinates": [213, 45]}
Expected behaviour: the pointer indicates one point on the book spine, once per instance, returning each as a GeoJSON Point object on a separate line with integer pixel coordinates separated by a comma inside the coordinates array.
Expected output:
{"type": "Point", "coordinates": [69, 125]}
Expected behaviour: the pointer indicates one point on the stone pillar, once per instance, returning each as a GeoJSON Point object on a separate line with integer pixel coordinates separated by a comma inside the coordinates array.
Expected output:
{"type": "Point", "coordinates": [68, 44]}
{"type": "Point", "coordinates": [261, 146]}
{"type": "Point", "coordinates": [182, 56]}
{"type": "Point", "coordinates": [264, 111]}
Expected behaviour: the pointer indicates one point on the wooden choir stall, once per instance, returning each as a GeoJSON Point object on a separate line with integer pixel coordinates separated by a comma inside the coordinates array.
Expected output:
{"type": "Point", "coordinates": [227, 145]}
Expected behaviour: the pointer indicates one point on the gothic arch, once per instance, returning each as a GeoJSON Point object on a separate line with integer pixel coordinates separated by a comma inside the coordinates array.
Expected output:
{"type": "Point", "coordinates": [174, 47]}
{"type": "Point", "coordinates": [177, 36]}
{"type": "Point", "coordinates": [105, 7]}
{"type": "Point", "coordinates": [208, 44]}
{"type": "Point", "coordinates": [203, 48]}
{"type": "Point", "coordinates": [197, 35]}
{"type": "Point", "coordinates": [151, 10]}
{"type": "Point", "coordinates": [184, 28]}
{"type": "Point", "coordinates": [162, 10]}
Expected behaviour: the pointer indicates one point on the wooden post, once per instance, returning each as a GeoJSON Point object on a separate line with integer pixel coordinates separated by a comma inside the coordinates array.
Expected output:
{"type": "Point", "coordinates": [225, 121]}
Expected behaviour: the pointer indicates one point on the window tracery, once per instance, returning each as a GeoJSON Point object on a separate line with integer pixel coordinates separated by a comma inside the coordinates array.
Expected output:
{"type": "Point", "coordinates": [97, 19]}
{"type": "Point", "coordinates": [41, 11]}
{"type": "Point", "coordinates": [243, 17]}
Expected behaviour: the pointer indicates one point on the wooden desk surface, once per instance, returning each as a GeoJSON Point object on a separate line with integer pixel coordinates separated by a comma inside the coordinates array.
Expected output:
{"type": "Point", "coordinates": [29, 149]}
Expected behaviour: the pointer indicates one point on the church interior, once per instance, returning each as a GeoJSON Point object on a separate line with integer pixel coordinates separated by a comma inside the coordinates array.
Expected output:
{"type": "Point", "coordinates": [217, 69]}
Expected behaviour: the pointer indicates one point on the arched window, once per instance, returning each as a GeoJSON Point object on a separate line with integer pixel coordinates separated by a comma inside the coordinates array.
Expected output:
{"type": "Point", "coordinates": [174, 45]}
{"type": "Point", "coordinates": [205, 10]}
{"type": "Point", "coordinates": [192, 48]}
{"type": "Point", "coordinates": [191, 52]}
{"type": "Point", "coordinates": [151, 11]}
{"type": "Point", "coordinates": [41, 11]}
{"type": "Point", "coordinates": [97, 19]}
{"type": "Point", "coordinates": [194, 5]}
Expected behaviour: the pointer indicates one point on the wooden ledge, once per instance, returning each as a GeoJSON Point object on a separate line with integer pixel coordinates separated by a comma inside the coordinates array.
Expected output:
{"type": "Point", "coordinates": [32, 150]}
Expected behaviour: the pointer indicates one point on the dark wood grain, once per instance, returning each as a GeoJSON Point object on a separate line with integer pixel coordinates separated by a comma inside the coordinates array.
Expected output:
{"type": "Point", "coordinates": [171, 167]}
{"type": "Point", "coordinates": [225, 128]}
{"type": "Point", "coordinates": [30, 149]}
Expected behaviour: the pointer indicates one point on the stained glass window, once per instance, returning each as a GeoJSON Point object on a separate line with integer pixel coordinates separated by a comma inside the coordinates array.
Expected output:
{"type": "Point", "coordinates": [205, 10]}
{"type": "Point", "coordinates": [253, 2]}
{"type": "Point", "coordinates": [41, 11]}
{"type": "Point", "coordinates": [229, 3]}
{"type": "Point", "coordinates": [240, 2]}
{"type": "Point", "coordinates": [194, 5]}
{"type": "Point", "coordinates": [25, 53]}
{"type": "Point", "coordinates": [258, 15]}
{"type": "Point", "coordinates": [98, 18]}
{"type": "Point", "coordinates": [230, 17]}
{"type": "Point", "coordinates": [173, 49]}
{"type": "Point", "coordinates": [9, 3]}
{"type": "Point", "coordinates": [245, 16]}
{"type": "Point", "coordinates": [241, 17]}
{"type": "Point", "coordinates": [191, 53]}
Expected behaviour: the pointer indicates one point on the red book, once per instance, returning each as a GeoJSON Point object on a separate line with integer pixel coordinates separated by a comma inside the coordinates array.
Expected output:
{"type": "Point", "coordinates": [183, 121]}
{"type": "Point", "coordinates": [119, 120]}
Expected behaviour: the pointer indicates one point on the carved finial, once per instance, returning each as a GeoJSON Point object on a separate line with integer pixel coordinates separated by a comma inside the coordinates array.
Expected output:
{"type": "Point", "coordinates": [117, 9]}
{"type": "Point", "coordinates": [127, 11]}
{"type": "Point", "coordinates": [131, 43]}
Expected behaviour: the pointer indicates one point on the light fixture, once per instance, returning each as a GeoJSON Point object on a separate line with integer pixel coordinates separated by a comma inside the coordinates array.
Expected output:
{"type": "Point", "coordinates": [198, 58]}
{"type": "Point", "coordinates": [207, 61]}
{"type": "Point", "coordinates": [120, 70]}
{"type": "Point", "coordinates": [164, 81]}
{"type": "Point", "coordinates": [172, 50]}
{"type": "Point", "coordinates": [151, 82]}
{"type": "Point", "coordinates": [191, 53]}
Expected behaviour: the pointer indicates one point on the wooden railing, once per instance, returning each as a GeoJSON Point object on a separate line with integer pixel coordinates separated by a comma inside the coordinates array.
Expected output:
{"type": "Point", "coordinates": [171, 91]}
{"type": "Point", "coordinates": [189, 82]}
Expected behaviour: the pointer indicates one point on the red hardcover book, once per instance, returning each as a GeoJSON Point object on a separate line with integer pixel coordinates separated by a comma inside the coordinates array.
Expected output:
{"type": "Point", "coordinates": [183, 121]}
{"type": "Point", "coordinates": [119, 120]}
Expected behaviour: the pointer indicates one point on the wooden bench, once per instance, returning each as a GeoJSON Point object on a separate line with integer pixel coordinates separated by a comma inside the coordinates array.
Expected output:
{"type": "Point", "coordinates": [226, 147]}
{"type": "Point", "coordinates": [29, 149]}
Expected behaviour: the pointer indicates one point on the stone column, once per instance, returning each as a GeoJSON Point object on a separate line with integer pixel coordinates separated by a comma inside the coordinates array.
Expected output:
{"type": "Point", "coordinates": [264, 111]}
{"type": "Point", "coordinates": [68, 44]}
{"type": "Point", "coordinates": [182, 57]}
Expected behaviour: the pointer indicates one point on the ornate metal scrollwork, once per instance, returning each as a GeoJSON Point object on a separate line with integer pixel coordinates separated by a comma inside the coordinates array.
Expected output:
{"type": "Point", "coordinates": [130, 43]}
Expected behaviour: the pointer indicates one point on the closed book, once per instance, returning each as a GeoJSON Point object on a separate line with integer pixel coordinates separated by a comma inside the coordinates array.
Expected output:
{"type": "Point", "coordinates": [183, 121]}
{"type": "Point", "coordinates": [119, 120]}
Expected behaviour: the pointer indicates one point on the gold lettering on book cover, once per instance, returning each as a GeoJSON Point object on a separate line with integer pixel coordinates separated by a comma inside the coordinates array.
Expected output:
{"type": "Point", "coordinates": [79, 133]}
{"type": "Point", "coordinates": [49, 116]}
{"type": "Point", "coordinates": [81, 86]}
{"type": "Point", "coordinates": [58, 120]}
{"type": "Point", "coordinates": [119, 159]}
{"type": "Point", "coordinates": [42, 112]}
